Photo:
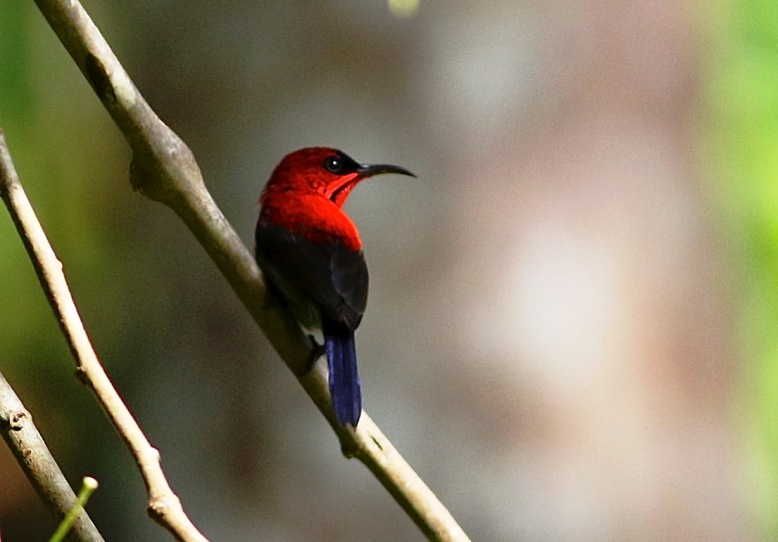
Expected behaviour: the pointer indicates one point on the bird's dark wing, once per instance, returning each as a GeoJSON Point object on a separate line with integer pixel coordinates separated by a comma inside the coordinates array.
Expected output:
{"type": "Point", "coordinates": [331, 275]}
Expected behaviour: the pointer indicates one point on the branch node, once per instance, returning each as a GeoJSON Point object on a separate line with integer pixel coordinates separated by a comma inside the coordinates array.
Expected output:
{"type": "Point", "coordinates": [18, 419]}
{"type": "Point", "coordinates": [158, 507]}
{"type": "Point", "coordinates": [165, 170]}
{"type": "Point", "coordinates": [153, 455]}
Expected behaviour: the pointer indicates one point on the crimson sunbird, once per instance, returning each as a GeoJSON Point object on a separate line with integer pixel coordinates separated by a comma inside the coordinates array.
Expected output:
{"type": "Point", "coordinates": [311, 255]}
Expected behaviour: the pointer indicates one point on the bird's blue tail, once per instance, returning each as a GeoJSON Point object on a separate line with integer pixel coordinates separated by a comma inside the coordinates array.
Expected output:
{"type": "Point", "coordinates": [344, 380]}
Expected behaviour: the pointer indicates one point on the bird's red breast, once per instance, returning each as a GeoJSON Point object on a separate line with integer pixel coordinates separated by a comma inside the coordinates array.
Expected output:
{"type": "Point", "coordinates": [311, 216]}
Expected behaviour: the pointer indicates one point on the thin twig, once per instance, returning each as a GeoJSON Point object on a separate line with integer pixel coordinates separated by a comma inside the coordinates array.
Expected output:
{"type": "Point", "coordinates": [163, 505]}
{"type": "Point", "coordinates": [38, 464]}
{"type": "Point", "coordinates": [88, 486]}
{"type": "Point", "coordinates": [164, 169]}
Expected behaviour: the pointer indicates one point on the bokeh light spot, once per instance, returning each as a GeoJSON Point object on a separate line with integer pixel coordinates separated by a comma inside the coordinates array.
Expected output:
{"type": "Point", "coordinates": [404, 8]}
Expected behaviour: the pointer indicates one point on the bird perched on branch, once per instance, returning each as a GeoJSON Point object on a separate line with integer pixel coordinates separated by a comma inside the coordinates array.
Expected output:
{"type": "Point", "coordinates": [311, 255]}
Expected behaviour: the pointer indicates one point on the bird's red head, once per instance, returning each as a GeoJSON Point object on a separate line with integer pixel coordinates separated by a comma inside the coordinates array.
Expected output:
{"type": "Point", "coordinates": [328, 172]}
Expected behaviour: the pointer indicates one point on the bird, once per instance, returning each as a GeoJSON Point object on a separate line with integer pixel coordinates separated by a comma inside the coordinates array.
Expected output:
{"type": "Point", "coordinates": [311, 255]}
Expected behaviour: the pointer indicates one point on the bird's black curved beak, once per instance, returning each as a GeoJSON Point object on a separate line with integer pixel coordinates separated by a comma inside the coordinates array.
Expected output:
{"type": "Point", "coordinates": [368, 170]}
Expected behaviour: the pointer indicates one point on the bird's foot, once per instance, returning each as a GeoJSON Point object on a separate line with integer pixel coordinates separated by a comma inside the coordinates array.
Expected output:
{"type": "Point", "coordinates": [317, 352]}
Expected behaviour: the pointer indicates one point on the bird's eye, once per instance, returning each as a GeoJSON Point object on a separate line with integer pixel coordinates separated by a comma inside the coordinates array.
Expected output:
{"type": "Point", "coordinates": [333, 164]}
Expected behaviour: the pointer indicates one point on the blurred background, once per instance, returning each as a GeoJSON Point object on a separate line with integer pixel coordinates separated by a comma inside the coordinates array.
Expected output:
{"type": "Point", "coordinates": [572, 332]}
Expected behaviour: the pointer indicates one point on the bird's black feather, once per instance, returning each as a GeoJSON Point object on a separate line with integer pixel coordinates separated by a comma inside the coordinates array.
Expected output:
{"type": "Point", "coordinates": [328, 274]}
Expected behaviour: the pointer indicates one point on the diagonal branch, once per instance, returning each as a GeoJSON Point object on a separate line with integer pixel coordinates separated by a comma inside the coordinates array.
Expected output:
{"type": "Point", "coordinates": [164, 169]}
{"type": "Point", "coordinates": [38, 464]}
{"type": "Point", "coordinates": [163, 505]}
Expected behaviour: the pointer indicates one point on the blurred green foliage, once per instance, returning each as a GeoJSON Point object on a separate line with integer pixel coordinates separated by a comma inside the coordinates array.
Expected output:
{"type": "Point", "coordinates": [742, 134]}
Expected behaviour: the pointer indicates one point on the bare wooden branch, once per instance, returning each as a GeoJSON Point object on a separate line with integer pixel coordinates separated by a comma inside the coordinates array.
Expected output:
{"type": "Point", "coordinates": [163, 168]}
{"type": "Point", "coordinates": [38, 464]}
{"type": "Point", "coordinates": [163, 505]}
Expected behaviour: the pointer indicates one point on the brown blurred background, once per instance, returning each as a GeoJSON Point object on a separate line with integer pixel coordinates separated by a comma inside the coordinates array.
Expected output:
{"type": "Point", "coordinates": [571, 329]}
